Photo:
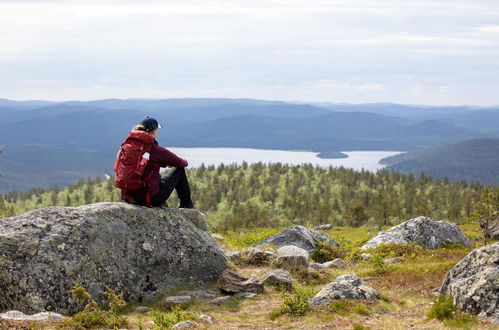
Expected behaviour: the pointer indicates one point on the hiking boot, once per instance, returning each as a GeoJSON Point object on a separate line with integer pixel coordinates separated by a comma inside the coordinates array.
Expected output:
{"type": "Point", "coordinates": [188, 205]}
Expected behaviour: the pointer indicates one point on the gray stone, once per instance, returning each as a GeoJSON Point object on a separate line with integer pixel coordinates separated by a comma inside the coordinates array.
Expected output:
{"type": "Point", "coordinates": [392, 260]}
{"type": "Point", "coordinates": [344, 287]}
{"type": "Point", "coordinates": [244, 295]}
{"type": "Point", "coordinates": [183, 324]}
{"type": "Point", "coordinates": [233, 255]}
{"type": "Point", "coordinates": [256, 256]}
{"type": "Point", "coordinates": [218, 300]}
{"type": "Point", "coordinates": [365, 256]}
{"type": "Point", "coordinates": [324, 227]}
{"type": "Point", "coordinates": [299, 236]}
{"type": "Point", "coordinates": [19, 316]}
{"type": "Point", "coordinates": [336, 263]}
{"type": "Point", "coordinates": [198, 294]}
{"type": "Point", "coordinates": [316, 265]}
{"type": "Point", "coordinates": [172, 300]}
{"type": "Point", "coordinates": [474, 283]}
{"type": "Point", "coordinates": [422, 231]}
{"type": "Point", "coordinates": [205, 319]}
{"type": "Point", "coordinates": [279, 278]}
{"type": "Point", "coordinates": [140, 251]}
{"type": "Point", "coordinates": [233, 282]}
{"type": "Point", "coordinates": [491, 229]}
{"type": "Point", "coordinates": [292, 257]}
{"type": "Point", "coordinates": [141, 309]}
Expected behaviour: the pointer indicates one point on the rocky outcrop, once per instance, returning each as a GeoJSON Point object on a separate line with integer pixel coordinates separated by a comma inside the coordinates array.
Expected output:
{"type": "Point", "coordinates": [299, 236]}
{"type": "Point", "coordinates": [140, 251]}
{"type": "Point", "coordinates": [292, 257]}
{"type": "Point", "coordinates": [344, 287]}
{"type": "Point", "coordinates": [233, 282]}
{"type": "Point", "coordinates": [422, 231]}
{"type": "Point", "coordinates": [474, 283]}
{"type": "Point", "coordinates": [490, 229]}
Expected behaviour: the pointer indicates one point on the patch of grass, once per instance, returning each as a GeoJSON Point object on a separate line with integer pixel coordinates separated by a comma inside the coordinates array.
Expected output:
{"type": "Point", "coordinates": [164, 320]}
{"type": "Point", "coordinates": [356, 326]}
{"type": "Point", "coordinates": [378, 265]}
{"type": "Point", "coordinates": [295, 303]}
{"type": "Point", "coordinates": [248, 238]}
{"type": "Point", "coordinates": [233, 303]}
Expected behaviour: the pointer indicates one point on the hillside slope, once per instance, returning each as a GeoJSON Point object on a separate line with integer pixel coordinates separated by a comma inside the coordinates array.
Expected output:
{"type": "Point", "coordinates": [474, 160]}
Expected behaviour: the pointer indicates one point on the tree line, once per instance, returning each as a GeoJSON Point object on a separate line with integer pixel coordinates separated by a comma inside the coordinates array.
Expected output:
{"type": "Point", "coordinates": [276, 195]}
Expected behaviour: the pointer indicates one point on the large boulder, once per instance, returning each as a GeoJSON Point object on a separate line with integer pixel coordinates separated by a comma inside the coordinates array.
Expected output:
{"type": "Point", "coordinates": [474, 283]}
{"type": "Point", "coordinates": [299, 236]}
{"type": "Point", "coordinates": [344, 287]}
{"type": "Point", "coordinates": [140, 251]}
{"type": "Point", "coordinates": [422, 231]}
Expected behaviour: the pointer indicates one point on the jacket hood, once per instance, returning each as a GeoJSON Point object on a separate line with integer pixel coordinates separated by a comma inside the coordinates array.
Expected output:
{"type": "Point", "coordinates": [141, 136]}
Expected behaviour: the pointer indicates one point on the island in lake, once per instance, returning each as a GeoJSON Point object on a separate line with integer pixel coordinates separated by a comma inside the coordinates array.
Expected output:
{"type": "Point", "coordinates": [332, 155]}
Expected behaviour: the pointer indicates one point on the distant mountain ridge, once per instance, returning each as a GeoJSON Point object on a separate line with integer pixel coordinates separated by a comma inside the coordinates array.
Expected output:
{"type": "Point", "coordinates": [80, 138]}
{"type": "Point", "coordinates": [474, 160]}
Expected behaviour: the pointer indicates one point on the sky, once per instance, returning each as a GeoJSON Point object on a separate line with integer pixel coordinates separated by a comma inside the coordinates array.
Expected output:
{"type": "Point", "coordinates": [352, 51]}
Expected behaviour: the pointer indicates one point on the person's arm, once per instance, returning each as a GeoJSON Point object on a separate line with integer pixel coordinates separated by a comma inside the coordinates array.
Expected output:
{"type": "Point", "coordinates": [167, 158]}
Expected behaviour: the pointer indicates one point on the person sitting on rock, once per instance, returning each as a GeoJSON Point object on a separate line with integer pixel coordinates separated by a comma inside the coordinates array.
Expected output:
{"type": "Point", "coordinates": [140, 181]}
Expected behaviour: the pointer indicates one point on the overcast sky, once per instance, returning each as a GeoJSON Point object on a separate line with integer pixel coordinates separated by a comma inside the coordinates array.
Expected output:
{"type": "Point", "coordinates": [355, 51]}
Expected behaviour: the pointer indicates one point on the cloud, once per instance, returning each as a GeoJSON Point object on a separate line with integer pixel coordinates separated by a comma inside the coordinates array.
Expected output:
{"type": "Point", "coordinates": [360, 49]}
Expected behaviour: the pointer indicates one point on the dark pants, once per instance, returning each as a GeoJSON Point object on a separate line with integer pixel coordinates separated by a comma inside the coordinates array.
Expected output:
{"type": "Point", "coordinates": [176, 179]}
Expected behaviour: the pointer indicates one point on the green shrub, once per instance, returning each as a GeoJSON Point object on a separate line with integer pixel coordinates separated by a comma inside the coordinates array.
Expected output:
{"type": "Point", "coordinates": [443, 309]}
{"type": "Point", "coordinates": [386, 250]}
{"type": "Point", "coordinates": [295, 303]}
{"type": "Point", "coordinates": [378, 264]}
{"type": "Point", "coordinates": [167, 320]}
{"type": "Point", "coordinates": [249, 238]}
{"type": "Point", "coordinates": [92, 315]}
{"type": "Point", "coordinates": [325, 252]}
{"type": "Point", "coordinates": [341, 306]}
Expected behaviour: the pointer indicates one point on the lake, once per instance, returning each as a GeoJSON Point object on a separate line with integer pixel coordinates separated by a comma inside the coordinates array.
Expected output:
{"type": "Point", "coordinates": [357, 160]}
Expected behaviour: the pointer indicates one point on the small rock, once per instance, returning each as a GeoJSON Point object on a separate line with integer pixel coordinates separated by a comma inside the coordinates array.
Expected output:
{"type": "Point", "coordinates": [233, 255]}
{"type": "Point", "coordinates": [233, 282]}
{"type": "Point", "coordinates": [141, 309]}
{"type": "Point", "coordinates": [324, 227]}
{"type": "Point", "coordinates": [336, 263]}
{"type": "Point", "coordinates": [292, 257]}
{"type": "Point", "coordinates": [20, 316]}
{"type": "Point", "coordinates": [218, 300]}
{"type": "Point", "coordinates": [244, 295]}
{"type": "Point", "coordinates": [184, 324]}
{"type": "Point", "coordinates": [278, 278]}
{"type": "Point", "coordinates": [344, 287]}
{"type": "Point", "coordinates": [217, 237]}
{"type": "Point", "coordinates": [392, 260]}
{"type": "Point", "coordinates": [177, 300]}
{"type": "Point", "coordinates": [365, 256]}
{"type": "Point", "coordinates": [205, 318]}
{"type": "Point", "coordinates": [199, 294]}
{"type": "Point", "coordinates": [257, 256]}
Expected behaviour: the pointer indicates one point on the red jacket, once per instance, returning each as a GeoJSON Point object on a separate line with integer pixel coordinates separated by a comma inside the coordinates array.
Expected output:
{"type": "Point", "coordinates": [160, 157]}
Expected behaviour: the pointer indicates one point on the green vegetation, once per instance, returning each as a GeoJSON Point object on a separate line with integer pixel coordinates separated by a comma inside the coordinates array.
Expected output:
{"type": "Point", "coordinates": [277, 196]}
{"type": "Point", "coordinates": [92, 316]}
{"type": "Point", "coordinates": [486, 211]}
{"type": "Point", "coordinates": [164, 320]}
{"type": "Point", "coordinates": [324, 252]}
{"type": "Point", "coordinates": [295, 303]}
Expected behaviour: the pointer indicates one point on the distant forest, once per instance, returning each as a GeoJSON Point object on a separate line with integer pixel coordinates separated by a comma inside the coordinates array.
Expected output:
{"type": "Point", "coordinates": [276, 195]}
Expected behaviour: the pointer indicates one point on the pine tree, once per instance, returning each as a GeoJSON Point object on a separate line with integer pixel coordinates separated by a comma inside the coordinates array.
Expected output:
{"type": "Point", "coordinates": [486, 211]}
